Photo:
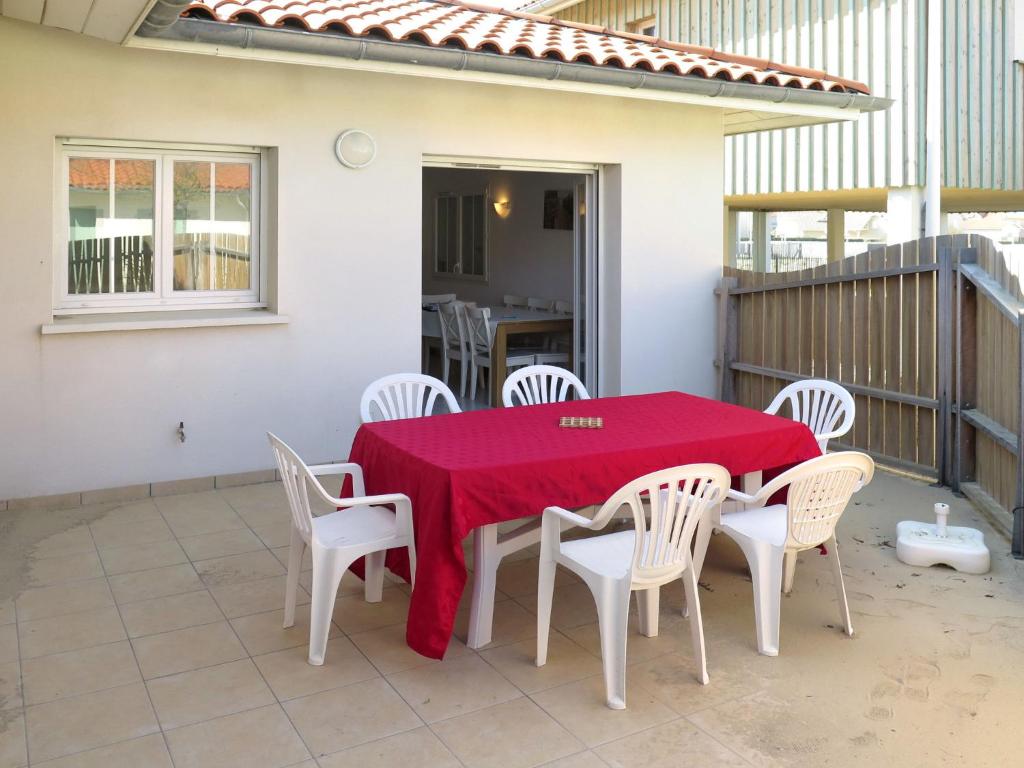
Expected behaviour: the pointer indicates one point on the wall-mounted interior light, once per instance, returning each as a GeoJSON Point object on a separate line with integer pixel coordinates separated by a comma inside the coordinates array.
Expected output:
{"type": "Point", "coordinates": [355, 148]}
{"type": "Point", "coordinates": [502, 207]}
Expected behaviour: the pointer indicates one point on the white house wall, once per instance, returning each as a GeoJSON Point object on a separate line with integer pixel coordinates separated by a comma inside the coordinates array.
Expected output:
{"type": "Point", "coordinates": [99, 410]}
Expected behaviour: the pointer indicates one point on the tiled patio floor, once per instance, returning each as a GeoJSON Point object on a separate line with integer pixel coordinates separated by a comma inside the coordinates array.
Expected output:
{"type": "Point", "coordinates": [149, 634]}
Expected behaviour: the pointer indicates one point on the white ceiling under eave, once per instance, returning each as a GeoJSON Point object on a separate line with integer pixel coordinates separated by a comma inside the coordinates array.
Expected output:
{"type": "Point", "coordinates": [113, 20]}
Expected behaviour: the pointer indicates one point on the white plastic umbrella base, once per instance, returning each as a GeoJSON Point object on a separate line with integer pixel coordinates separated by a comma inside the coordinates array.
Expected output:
{"type": "Point", "coordinates": [960, 548]}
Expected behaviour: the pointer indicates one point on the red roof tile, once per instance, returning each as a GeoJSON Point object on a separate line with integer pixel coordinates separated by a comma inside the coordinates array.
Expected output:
{"type": "Point", "coordinates": [94, 173]}
{"type": "Point", "coordinates": [475, 27]}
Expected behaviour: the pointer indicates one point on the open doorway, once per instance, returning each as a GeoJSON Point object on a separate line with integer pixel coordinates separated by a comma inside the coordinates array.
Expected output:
{"type": "Point", "coordinates": [508, 274]}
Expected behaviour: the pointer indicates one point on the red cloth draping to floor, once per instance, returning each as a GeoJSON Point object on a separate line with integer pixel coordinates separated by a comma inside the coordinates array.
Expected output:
{"type": "Point", "coordinates": [470, 469]}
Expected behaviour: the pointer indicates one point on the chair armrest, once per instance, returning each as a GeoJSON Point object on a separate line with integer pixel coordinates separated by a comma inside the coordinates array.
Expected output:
{"type": "Point", "coordinates": [568, 516]}
{"type": "Point", "coordinates": [745, 498]}
{"type": "Point", "coordinates": [348, 469]}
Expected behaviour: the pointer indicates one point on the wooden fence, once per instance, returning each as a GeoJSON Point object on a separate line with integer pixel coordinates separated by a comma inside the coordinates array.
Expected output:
{"type": "Point", "coordinates": [905, 328]}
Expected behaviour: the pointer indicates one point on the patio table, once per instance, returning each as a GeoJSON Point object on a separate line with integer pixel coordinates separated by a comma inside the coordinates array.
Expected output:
{"type": "Point", "coordinates": [470, 471]}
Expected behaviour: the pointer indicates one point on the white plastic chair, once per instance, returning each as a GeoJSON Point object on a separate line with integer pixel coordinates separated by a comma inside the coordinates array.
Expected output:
{"type": "Point", "coordinates": [511, 301]}
{"type": "Point", "coordinates": [616, 564]}
{"type": "Point", "coordinates": [404, 396]}
{"type": "Point", "coordinates": [820, 404]}
{"type": "Point", "coordinates": [541, 384]}
{"type": "Point", "coordinates": [819, 491]}
{"type": "Point", "coordinates": [544, 305]}
{"type": "Point", "coordinates": [361, 528]}
{"type": "Point", "coordinates": [481, 343]}
{"type": "Point", "coordinates": [454, 343]}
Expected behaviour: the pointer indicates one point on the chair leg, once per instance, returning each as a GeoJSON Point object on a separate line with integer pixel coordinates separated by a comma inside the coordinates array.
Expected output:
{"type": "Point", "coordinates": [613, 619]}
{"type": "Point", "coordinates": [472, 381]}
{"type": "Point", "coordinates": [373, 586]}
{"type": "Point", "coordinates": [327, 573]}
{"type": "Point", "coordinates": [837, 575]}
{"type": "Point", "coordinates": [296, 549]}
{"type": "Point", "coordinates": [696, 625]}
{"type": "Point", "coordinates": [765, 563]}
{"type": "Point", "coordinates": [648, 601]}
{"type": "Point", "coordinates": [485, 576]}
{"type": "Point", "coordinates": [788, 571]}
{"type": "Point", "coordinates": [545, 594]}
{"type": "Point", "coordinates": [446, 365]}
{"type": "Point", "coordinates": [463, 370]}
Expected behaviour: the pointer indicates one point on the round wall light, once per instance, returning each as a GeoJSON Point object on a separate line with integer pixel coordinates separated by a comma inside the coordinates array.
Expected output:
{"type": "Point", "coordinates": [355, 148]}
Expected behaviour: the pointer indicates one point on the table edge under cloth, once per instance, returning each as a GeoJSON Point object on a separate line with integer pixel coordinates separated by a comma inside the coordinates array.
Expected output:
{"type": "Point", "coordinates": [432, 612]}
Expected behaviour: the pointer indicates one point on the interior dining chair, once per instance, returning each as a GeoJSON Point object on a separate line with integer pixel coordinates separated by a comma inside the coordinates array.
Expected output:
{"type": "Point", "coordinates": [362, 527]}
{"type": "Point", "coordinates": [544, 305]}
{"type": "Point", "coordinates": [666, 507]}
{"type": "Point", "coordinates": [481, 342]}
{"type": "Point", "coordinates": [430, 302]}
{"type": "Point", "coordinates": [819, 490]}
{"type": "Point", "coordinates": [824, 406]}
{"type": "Point", "coordinates": [404, 396]}
{"type": "Point", "coordinates": [510, 301]}
{"type": "Point", "coordinates": [454, 343]}
{"type": "Point", "coordinates": [541, 384]}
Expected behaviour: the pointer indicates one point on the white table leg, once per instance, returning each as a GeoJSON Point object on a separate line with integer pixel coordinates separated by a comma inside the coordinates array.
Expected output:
{"type": "Point", "coordinates": [485, 577]}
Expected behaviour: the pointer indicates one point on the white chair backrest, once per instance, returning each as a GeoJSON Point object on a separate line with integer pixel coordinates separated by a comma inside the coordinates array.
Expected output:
{"type": "Point", "coordinates": [404, 396]}
{"type": "Point", "coordinates": [544, 305]}
{"type": "Point", "coordinates": [438, 298]}
{"type": "Point", "coordinates": [820, 404]}
{"type": "Point", "coordinates": [514, 301]}
{"type": "Point", "coordinates": [563, 307]}
{"type": "Point", "coordinates": [536, 384]}
{"type": "Point", "coordinates": [453, 333]}
{"type": "Point", "coordinates": [478, 329]}
{"type": "Point", "coordinates": [819, 491]}
{"type": "Point", "coordinates": [677, 499]}
{"type": "Point", "coordinates": [296, 478]}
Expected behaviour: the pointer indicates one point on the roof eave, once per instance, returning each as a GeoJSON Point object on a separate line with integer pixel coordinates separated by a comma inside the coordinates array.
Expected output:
{"type": "Point", "coordinates": [548, 7]}
{"type": "Point", "coordinates": [748, 107]}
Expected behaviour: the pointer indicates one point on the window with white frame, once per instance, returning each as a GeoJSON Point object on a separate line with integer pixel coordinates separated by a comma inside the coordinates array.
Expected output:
{"type": "Point", "coordinates": [460, 234]}
{"type": "Point", "coordinates": [158, 229]}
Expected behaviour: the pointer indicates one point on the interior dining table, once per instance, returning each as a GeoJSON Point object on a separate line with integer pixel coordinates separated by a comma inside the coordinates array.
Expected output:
{"type": "Point", "coordinates": [505, 323]}
{"type": "Point", "coordinates": [467, 472]}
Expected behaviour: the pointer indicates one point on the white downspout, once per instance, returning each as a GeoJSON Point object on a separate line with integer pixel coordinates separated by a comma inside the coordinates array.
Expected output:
{"type": "Point", "coordinates": [933, 123]}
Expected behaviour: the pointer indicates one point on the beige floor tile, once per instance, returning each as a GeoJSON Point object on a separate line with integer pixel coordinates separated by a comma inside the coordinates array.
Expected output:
{"type": "Point", "coordinates": [140, 511]}
{"type": "Point", "coordinates": [353, 614]}
{"type": "Point", "coordinates": [389, 652]}
{"type": "Point", "coordinates": [10, 686]}
{"type": "Point", "coordinates": [274, 534]}
{"type": "Point", "coordinates": [290, 674]}
{"type": "Point", "coordinates": [238, 569]}
{"type": "Point", "coordinates": [264, 632]}
{"type": "Point", "coordinates": [146, 752]}
{"type": "Point", "coordinates": [194, 514]}
{"type": "Point", "coordinates": [203, 694]}
{"type": "Point", "coordinates": [516, 734]}
{"type": "Point", "coordinates": [13, 753]}
{"type": "Point", "coordinates": [221, 544]}
{"type": "Point", "coordinates": [263, 504]}
{"type": "Point", "coordinates": [61, 570]}
{"type": "Point", "coordinates": [109, 535]}
{"type": "Point", "coordinates": [580, 707]}
{"type": "Point", "coordinates": [69, 633]}
{"type": "Point", "coordinates": [418, 747]}
{"type": "Point", "coordinates": [343, 717]}
{"type": "Point", "coordinates": [156, 582]}
{"type": "Point", "coordinates": [61, 599]}
{"type": "Point", "coordinates": [186, 649]}
{"type": "Point", "coordinates": [281, 553]}
{"type": "Point", "coordinates": [668, 746]}
{"type": "Point", "coordinates": [518, 578]}
{"type": "Point", "coordinates": [76, 672]}
{"type": "Point", "coordinates": [453, 687]}
{"type": "Point", "coordinates": [511, 623]}
{"type": "Point", "coordinates": [350, 583]}
{"type": "Point", "coordinates": [671, 638]}
{"type": "Point", "coordinates": [567, 662]}
{"type": "Point", "coordinates": [572, 606]}
{"type": "Point", "coordinates": [7, 615]}
{"type": "Point", "coordinates": [73, 541]}
{"type": "Point", "coordinates": [670, 678]}
{"type": "Point", "coordinates": [259, 738]}
{"type": "Point", "coordinates": [141, 557]}
{"type": "Point", "coordinates": [580, 760]}
{"type": "Point", "coordinates": [8, 643]}
{"type": "Point", "coordinates": [257, 596]}
{"type": "Point", "coordinates": [85, 722]}
{"type": "Point", "coordinates": [163, 614]}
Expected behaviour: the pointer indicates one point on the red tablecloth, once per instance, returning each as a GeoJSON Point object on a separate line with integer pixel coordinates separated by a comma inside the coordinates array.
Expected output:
{"type": "Point", "coordinates": [471, 469]}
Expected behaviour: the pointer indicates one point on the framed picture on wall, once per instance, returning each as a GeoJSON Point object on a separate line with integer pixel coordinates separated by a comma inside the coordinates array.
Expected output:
{"type": "Point", "coordinates": [558, 209]}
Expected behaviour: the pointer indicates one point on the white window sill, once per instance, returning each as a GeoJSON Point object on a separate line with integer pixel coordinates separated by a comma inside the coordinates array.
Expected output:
{"type": "Point", "coordinates": [148, 321]}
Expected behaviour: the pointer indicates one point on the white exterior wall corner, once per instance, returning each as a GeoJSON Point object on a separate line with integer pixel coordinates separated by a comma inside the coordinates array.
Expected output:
{"type": "Point", "coordinates": [88, 411]}
{"type": "Point", "coordinates": [882, 43]}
